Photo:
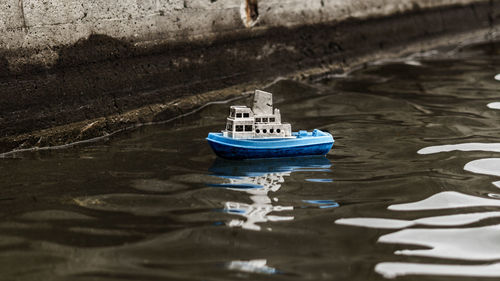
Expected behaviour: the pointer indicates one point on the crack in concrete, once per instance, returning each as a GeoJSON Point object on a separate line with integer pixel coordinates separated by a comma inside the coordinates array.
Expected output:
{"type": "Point", "coordinates": [23, 17]}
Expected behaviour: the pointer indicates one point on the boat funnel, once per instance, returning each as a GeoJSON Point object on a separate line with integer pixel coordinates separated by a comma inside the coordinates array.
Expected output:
{"type": "Point", "coordinates": [262, 103]}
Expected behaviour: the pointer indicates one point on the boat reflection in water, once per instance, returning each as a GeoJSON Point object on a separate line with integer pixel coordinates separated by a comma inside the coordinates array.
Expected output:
{"type": "Point", "coordinates": [252, 266]}
{"type": "Point", "coordinates": [258, 178]}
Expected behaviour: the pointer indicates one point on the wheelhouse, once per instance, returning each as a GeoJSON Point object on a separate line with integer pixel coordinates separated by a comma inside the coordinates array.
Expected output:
{"type": "Point", "coordinates": [261, 121]}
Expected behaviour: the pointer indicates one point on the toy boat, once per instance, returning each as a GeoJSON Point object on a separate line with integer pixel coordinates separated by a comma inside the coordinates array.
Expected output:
{"type": "Point", "coordinates": [257, 132]}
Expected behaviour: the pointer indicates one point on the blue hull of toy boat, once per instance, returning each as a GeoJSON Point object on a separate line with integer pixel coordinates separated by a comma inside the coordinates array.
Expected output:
{"type": "Point", "coordinates": [315, 143]}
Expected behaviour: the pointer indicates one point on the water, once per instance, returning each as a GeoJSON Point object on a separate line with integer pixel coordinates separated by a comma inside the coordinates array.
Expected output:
{"type": "Point", "coordinates": [410, 189]}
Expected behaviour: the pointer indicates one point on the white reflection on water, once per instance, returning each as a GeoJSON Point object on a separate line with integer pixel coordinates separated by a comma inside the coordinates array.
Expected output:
{"type": "Point", "coordinates": [492, 147]}
{"type": "Point", "coordinates": [487, 166]}
{"type": "Point", "coordinates": [477, 243]}
{"type": "Point", "coordinates": [446, 200]}
{"type": "Point", "coordinates": [376, 223]}
{"type": "Point", "coordinates": [469, 244]}
{"type": "Point", "coordinates": [253, 266]}
{"type": "Point", "coordinates": [395, 269]}
{"type": "Point", "coordinates": [494, 105]}
{"type": "Point", "coordinates": [449, 220]}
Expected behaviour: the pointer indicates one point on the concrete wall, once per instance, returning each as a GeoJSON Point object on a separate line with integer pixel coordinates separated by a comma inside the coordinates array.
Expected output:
{"type": "Point", "coordinates": [41, 27]}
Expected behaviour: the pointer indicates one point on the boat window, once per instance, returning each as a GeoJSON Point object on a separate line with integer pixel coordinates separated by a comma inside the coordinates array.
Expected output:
{"type": "Point", "coordinates": [232, 113]}
{"type": "Point", "coordinates": [246, 115]}
{"type": "Point", "coordinates": [238, 115]}
{"type": "Point", "coordinates": [257, 131]}
{"type": "Point", "coordinates": [271, 130]}
{"type": "Point", "coordinates": [278, 131]}
{"type": "Point", "coordinates": [239, 128]}
{"type": "Point", "coordinates": [257, 119]}
{"type": "Point", "coordinates": [272, 119]}
{"type": "Point", "coordinates": [264, 120]}
{"type": "Point", "coordinates": [264, 131]}
{"type": "Point", "coordinates": [229, 127]}
{"type": "Point", "coordinates": [248, 128]}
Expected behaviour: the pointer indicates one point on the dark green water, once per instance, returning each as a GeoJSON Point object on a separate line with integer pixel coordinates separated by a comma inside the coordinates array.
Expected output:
{"type": "Point", "coordinates": [156, 204]}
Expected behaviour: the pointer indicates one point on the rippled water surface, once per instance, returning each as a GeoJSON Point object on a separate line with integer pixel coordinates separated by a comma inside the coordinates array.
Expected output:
{"type": "Point", "coordinates": [409, 191]}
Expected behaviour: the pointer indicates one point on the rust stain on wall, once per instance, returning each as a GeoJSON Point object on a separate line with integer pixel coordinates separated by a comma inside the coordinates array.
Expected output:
{"type": "Point", "coordinates": [251, 13]}
{"type": "Point", "coordinates": [252, 10]}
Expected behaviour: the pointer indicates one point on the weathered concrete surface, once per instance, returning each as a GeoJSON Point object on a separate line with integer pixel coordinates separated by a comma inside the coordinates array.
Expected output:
{"type": "Point", "coordinates": [101, 66]}
{"type": "Point", "coordinates": [35, 30]}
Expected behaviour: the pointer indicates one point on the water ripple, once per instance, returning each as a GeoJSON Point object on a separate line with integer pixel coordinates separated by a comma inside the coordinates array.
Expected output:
{"type": "Point", "coordinates": [494, 105]}
{"type": "Point", "coordinates": [441, 241]}
{"type": "Point", "coordinates": [487, 166]}
{"type": "Point", "coordinates": [448, 220]}
{"type": "Point", "coordinates": [449, 243]}
{"type": "Point", "coordinates": [395, 269]}
{"type": "Point", "coordinates": [491, 147]}
{"type": "Point", "coordinates": [446, 200]}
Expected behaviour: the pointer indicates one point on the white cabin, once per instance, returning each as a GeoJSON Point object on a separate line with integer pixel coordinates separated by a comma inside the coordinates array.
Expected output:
{"type": "Point", "coordinates": [260, 121]}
